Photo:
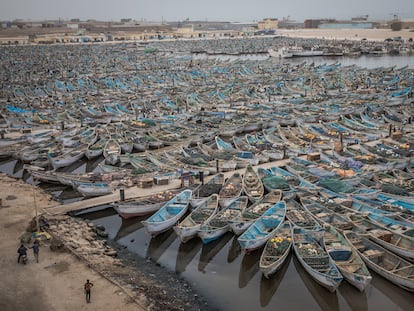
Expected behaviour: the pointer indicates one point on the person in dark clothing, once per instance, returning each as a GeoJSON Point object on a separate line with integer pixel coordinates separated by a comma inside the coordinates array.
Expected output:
{"type": "Point", "coordinates": [88, 286]}
{"type": "Point", "coordinates": [22, 251]}
{"type": "Point", "coordinates": [35, 248]}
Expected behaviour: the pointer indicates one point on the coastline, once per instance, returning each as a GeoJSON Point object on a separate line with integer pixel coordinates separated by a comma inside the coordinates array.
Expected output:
{"type": "Point", "coordinates": [125, 282]}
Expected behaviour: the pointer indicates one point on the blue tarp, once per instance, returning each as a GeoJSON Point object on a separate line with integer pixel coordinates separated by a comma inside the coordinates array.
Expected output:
{"type": "Point", "coordinates": [18, 110]}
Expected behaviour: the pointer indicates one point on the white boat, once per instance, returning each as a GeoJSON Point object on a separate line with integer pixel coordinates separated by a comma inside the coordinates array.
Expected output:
{"type": "Point", "coordinates": [253, 212]}
{"type": "Point", "coordinates": [300, 52]}
{"type": "Point", "coordinates": [143, 206]}
{"type": "Point", "coordinates": [315, 260]}
{"type": "Point", "coordinates": [282, 52]}
{"type": "Point", "coordinates": [68, 157]}
{"type": "Point", "coordinates": [346, 258]}
{"type": "Point", "coordinates": [169, 214]}
{"type": "Point", "coordinates": [94, 189]}
{"type": "Point", "coordinates": [218, 225]}
{"type": "Point", "coordinates": [188, 228]}
{"type": "Point", "coordinates": [231, 189]}
{"type": "Point", "coordinates": [252, 184]}
{"type": "Point", "coordinates": [387, 264]}
{"type": "Point", "coordinates": [112, 152]}
{"type": "Point", "coordinates": [276, 250]}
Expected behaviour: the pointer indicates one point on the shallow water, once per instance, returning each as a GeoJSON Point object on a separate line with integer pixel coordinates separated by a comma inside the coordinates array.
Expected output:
{"type": "Point", "coordinates": [228, 279]}
{"type": "Point", "coordinates": [363, 61]}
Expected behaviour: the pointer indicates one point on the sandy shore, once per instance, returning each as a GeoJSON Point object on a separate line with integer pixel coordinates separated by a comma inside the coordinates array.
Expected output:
{"type": "Point", "coordinates": [124, 282]}
{"type": "Point", "coordinates": [56, 282]}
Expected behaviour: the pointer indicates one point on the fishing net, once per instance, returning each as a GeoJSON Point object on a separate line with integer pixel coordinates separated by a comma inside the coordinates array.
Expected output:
{"type": "Point", "coordinates": [336, 185]}
{"type": "Point", "coordinates": [275, 182]}
{"type": "Point", "coordinates": [393, 189]}
{"type": "Point", "coordinates": [209, 189]}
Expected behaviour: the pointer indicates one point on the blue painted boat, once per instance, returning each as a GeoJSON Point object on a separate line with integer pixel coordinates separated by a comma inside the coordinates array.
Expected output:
{"type": "Point", "coordinates": [263, 228]}
{"type": "Point", "coordinates": [218, 225]}
{"type": "Point", "coordinates": [169, 214]}
{"type": "Point", "coordinates": [346, 258]}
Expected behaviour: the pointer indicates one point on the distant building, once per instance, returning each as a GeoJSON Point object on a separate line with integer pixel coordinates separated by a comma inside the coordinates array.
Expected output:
{"type": "Point", "coordinates": [268, 24]}
{"type": "Point", "coordinates": [290, 24]}
{"type": "Point", "coordinates": [346, 25]}
{"type": "Point", "coordinates": [361, 18]}
{"type": "Point", "coordinates": [407, 23]}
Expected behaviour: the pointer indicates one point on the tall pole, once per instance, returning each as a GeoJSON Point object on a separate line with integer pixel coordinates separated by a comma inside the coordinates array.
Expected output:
{"type": "Point", "coordinates": [35, 205]}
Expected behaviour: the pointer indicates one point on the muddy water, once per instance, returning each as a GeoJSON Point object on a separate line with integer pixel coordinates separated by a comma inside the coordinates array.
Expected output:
{"type": "Point", "coordinates": [226, 277]}
{"type": "Point", "coordinates": [231, 280]}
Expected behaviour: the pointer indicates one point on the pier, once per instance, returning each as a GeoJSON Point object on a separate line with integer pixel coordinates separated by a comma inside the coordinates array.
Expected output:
{"type": "Point", "coordinates": [135, 192]}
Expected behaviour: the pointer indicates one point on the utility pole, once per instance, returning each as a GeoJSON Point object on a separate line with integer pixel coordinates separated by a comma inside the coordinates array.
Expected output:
{"type": "Point", "coordinates": [31, 168]}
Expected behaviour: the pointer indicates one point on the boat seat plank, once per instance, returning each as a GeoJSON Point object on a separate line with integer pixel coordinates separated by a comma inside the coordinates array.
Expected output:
{"type": "Point", "coordinates": [402, 268]}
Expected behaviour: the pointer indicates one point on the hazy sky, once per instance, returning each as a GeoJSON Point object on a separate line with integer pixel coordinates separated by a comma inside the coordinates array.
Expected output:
{"type": "Point", "coordinates": [212, 10]}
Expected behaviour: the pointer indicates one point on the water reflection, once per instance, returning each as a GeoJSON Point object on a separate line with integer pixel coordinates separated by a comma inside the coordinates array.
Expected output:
{"type": "Point", "coordinates": [268, 287]}
{"type": "Point", "coordinates": [186, 253]}
{"type": "Point", "coordinates": [129, 226]}
{"type": "Point", "coordinates": [249, 267]}
{"type": "Point", "coordinates": [400, 297]}
{"type": "Point", "coordinates": [212, 249]}
{"type": "Point", "coordinates": [159, 244]}
{"type": "Point", "coordinates": [326, 300]}
{"type": "Point", "coordinates": [355, 299]}
{"type": "Point", "coordinates": [234, 250]}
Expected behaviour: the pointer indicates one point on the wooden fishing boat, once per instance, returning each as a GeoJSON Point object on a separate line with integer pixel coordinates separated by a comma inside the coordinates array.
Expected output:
{"type": "Point", "coordinates": [95, 149]}
{"type": "Point", "coordinates": [243, 157]}
{"type": "Point", "coordinates": [225, 159]}
{"type": "Point", "coordinates": [94, 189]}
{"type": "Point", "coordinates": [145, 205]}
{"type": "Point", "coordinates": [263, 228]}
{"type": "Point", "coordinates": [169, 214]}
{"type": "Point", "coordinates": [276, 250]}
{"type": "Point", "coordinates": [214, 185]}
{"type": "Point", "coordinates": [218, 225]}
{"type": "Point", "coordinates": [252, 184]}
{"type": "Point", "coordinates": [253, 212]}
{"type": "Point", "coordinates": [384, 262]}
{"type": "Point", "coordinates": [301, 218]}
{"type": "Point", "coordinates": [189, 226]}
{"type": "Point", "coordinates": [399, 225]}
{"type": "Point", "coordinates": [400, 244]}
{"type": "Point", "coordinates": [68, 157]}
{"type": "Point", "coordinates": [231, 189]}
{"type": "Point", "coordinates": [111, 152]}
{"type": "Point", "coordinates": [315, 260]}
{"type": "Point", "coordinates": [346, 258]}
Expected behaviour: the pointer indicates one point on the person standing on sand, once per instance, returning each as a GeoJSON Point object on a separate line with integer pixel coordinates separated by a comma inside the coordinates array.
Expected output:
{"type": "Point", "coordinates": [35, 248]}
{"type": "Point", "coordinates": [88, 286]}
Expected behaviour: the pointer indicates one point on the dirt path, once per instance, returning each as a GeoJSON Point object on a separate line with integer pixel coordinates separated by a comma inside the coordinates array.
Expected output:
{"type": "Point", "coordinates": [56, 282]}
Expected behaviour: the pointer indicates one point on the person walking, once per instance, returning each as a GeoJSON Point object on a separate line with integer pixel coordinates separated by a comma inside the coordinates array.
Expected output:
{"type": "Point", "coordinates": [22, 251]}
{"type": "Point", "coordinates": [88, 286]}
{"type": "Point", "coordinates": [35, 248]}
